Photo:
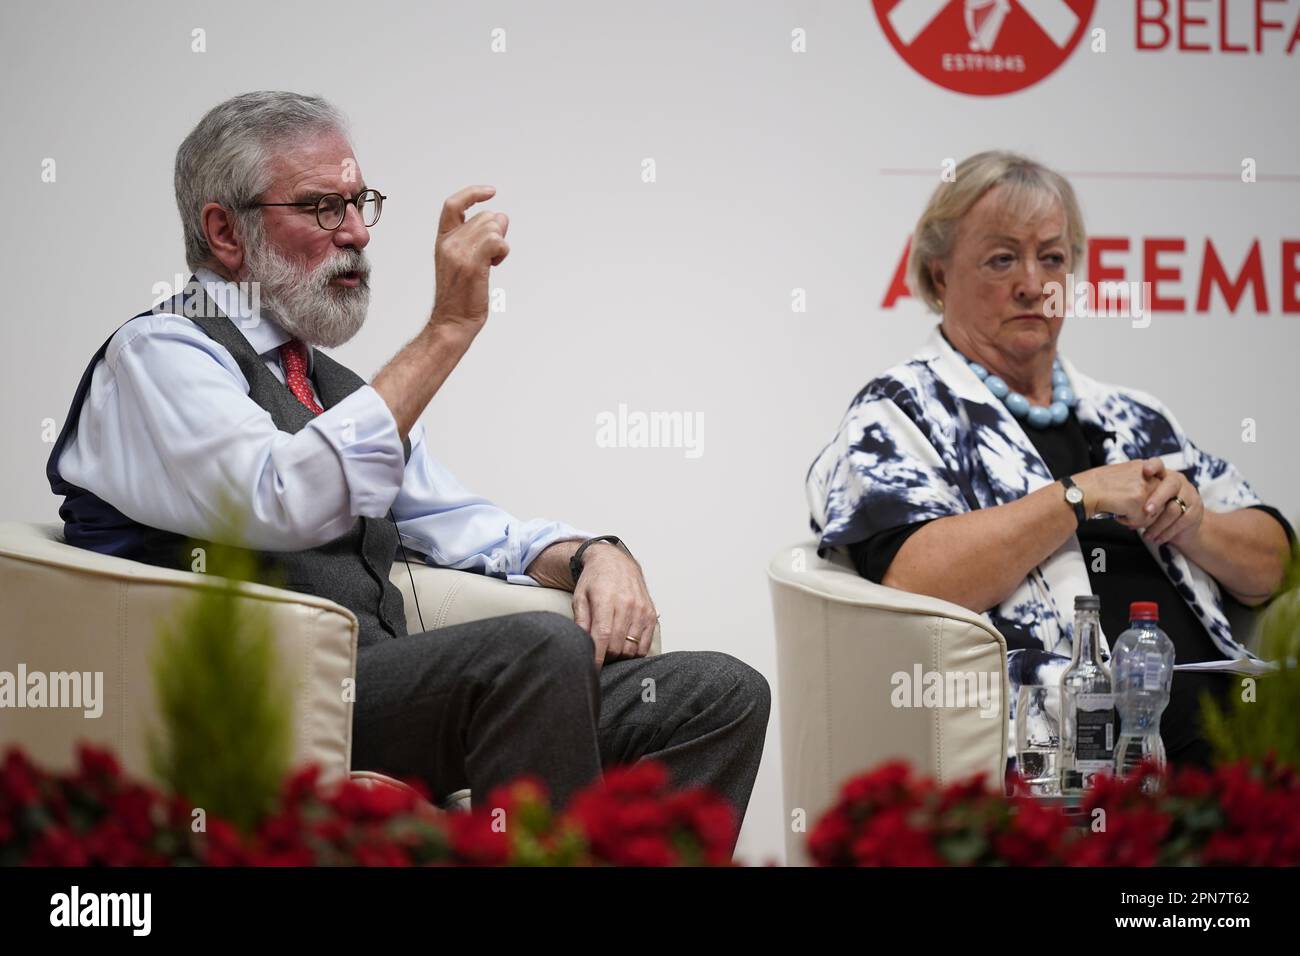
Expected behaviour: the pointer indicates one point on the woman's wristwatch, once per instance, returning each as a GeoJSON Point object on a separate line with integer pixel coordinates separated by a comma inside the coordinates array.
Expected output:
{"type": "Point", "coordinates": [575, 562]}
{"type": "Point", "coordinates": [1074, 498]}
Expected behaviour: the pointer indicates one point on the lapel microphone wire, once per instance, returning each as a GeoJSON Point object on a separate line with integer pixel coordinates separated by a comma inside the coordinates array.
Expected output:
{"type": "Point", "coordinates": [414, 593]}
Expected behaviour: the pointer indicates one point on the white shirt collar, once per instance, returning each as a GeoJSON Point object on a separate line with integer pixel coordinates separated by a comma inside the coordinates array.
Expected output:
{"type": "Point", "coordinates": [263, 333]}
{"type": "Point", "coordinates": [954, 370]}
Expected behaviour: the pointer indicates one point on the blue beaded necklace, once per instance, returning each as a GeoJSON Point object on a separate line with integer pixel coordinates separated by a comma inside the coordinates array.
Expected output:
{"type": "Point", "coordinates": [1039, 416]}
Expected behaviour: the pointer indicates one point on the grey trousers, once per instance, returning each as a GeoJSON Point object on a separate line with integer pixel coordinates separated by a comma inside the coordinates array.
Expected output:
{"type": "Point", "coordinates": [479, 704]}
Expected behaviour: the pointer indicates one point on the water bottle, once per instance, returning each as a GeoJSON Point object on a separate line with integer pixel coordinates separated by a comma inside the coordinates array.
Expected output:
{"type": "Point", "coordinates": [1087, 704]}
{"type": "Point", "coordinates": [1143, 667]}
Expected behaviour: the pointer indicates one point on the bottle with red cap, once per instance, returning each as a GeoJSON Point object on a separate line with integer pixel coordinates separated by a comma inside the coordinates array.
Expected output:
{"type": "Point", "coordinates": [1142, 663]}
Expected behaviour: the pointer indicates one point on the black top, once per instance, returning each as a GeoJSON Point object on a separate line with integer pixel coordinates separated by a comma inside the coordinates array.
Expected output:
{"type": "Point", "coordinates": [1130, 574]}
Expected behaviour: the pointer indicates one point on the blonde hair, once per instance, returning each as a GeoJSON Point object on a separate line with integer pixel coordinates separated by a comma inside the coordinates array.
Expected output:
{"type": "Point", "coordinates": [1030, 187]}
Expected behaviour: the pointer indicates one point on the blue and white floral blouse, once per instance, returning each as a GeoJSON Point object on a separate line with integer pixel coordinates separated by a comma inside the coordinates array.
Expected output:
{"type": "Point", "coordinates": [927, 439]}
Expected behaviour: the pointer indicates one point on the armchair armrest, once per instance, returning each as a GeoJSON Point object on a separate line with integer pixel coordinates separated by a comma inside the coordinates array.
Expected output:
{"type": "Point", "coordinates": [67, 609]}
{"type": "Point", "coordinates": [448, 597]}
{"type": "Point", "coordinates": [841, 639]}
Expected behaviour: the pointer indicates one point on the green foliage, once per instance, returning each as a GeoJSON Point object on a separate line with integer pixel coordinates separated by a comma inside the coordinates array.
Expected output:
{"type": "Point", "coordinates": [1266, 724]}
{"type": "Point", "coordinates": [227, 729]}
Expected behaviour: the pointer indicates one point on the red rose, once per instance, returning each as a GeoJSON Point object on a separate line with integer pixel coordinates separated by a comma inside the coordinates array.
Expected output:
{"type": "Point", "coordinates": [827, 844]}
{"type": "Point", "coordinates": [1191, 782]}
{"type": "Point", "coordinates": [645, 850]}
{"type": "Point", "coordinates": [888, 839]}
{"type": "Point", "coordinates": [890, 781]}
{"type": "Point", "coordinates": [1132, 837]}
{"type": "Point", "coordinates": [222, 845]}
{"type": "Point", "coordinates": [713, 820]}
{"type": "Point", "coordinates": [382, 855]}
{"type": "Point", "coordinates": [475, 841]}
{"type": "Point", "coordinates": [963, 792]}
{"type": "Point", "coordinates": [594, 814]}
{"type": "Point", "coordinates": [109, 844]}
{"type": "Point", "coordinates": [133, 809]}
{"type": "Point", "coordinates": [97, 763]}
{"type": "Point", "coordinates": [642, 778]}
{"type": "Point", "coordinates": [301, 785]}
{"type": "Point", "coordinates": [18, 779]}
{"type": "Point", "coordinates": [281, 856]}
{"type": "Point", "coordinates": [642, 815]}
{"type": "Point", "coordinates": [57, 846]}
{"type": "Point", "coordinates": [285, 828]}
{"type": "Point", "coordinates": [331, 830]}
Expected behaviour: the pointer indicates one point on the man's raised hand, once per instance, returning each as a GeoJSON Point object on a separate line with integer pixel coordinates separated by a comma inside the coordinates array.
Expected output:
{"type": "Point", "coordinates": [464, 253]}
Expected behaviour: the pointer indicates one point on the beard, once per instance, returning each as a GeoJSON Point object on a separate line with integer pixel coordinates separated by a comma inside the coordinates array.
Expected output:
{"type": "Point", "coordinates": [302, 301]}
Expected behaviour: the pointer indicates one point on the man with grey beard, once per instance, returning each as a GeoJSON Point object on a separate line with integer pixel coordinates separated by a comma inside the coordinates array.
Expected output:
{"type": "Point", "coordinates": [223, 394]}
{"type": "Point", "coordinates": [306, 303]}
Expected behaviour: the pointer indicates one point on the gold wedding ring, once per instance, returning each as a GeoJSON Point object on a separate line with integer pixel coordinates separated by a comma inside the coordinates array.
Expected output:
{"type": "Point", "coordinates": [1181, 503]}
{"type": "Point", "coordinates": [632, 639]}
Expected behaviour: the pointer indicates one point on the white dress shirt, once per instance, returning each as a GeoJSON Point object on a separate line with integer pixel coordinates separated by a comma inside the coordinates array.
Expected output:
{"type": "Point", "coordinates": [168, 431]}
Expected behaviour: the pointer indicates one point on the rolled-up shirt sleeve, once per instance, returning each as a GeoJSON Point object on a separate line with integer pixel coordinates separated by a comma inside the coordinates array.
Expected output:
{"type": "Point", "coordinates": [453, 528]}
{"type": "Point", "coordinates": [170, 437]}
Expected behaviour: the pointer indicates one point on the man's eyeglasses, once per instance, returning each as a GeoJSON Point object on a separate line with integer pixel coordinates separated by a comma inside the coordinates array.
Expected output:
{"type": "Point", "coordinates": [332, 207]}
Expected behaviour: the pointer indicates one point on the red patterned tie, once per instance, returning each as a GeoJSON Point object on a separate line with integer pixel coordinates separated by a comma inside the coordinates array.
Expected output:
{"type": "Point", "coordinates": [293, 357]}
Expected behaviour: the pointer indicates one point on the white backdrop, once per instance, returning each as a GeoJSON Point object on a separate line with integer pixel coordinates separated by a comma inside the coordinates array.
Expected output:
{"type": "Point", "coordinates": [776, 170]}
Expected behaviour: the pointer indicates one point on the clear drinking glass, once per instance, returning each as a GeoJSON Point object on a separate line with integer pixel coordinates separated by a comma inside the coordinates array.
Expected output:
{"type": "Point", "coordinates": [1038, 738]}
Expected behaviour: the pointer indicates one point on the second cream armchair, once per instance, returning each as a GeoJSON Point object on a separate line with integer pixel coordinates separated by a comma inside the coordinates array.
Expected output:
{"type": "Point", "coordinates": [840, 639]}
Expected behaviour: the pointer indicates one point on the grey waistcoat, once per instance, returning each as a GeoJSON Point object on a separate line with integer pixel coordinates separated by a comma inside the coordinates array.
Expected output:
{"type": "Point", "coordinates": [352, 570]}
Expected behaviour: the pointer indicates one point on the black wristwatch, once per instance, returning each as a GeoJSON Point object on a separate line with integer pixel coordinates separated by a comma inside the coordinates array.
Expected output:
{"type": "Point", "coordinates": [575, 562]}
{"type": "Point", "coordinates": [1074, 498]}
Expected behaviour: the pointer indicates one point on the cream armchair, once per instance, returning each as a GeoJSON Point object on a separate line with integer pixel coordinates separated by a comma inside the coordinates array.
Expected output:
{"type": "Point", "coordinates": [839, 640]}
{"type": "Point", "coordinates": [65, 609]}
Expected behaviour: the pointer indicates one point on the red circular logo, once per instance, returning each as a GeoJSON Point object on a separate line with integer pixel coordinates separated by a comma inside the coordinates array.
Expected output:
{"type": "Point", "coordinates": [984, 47]}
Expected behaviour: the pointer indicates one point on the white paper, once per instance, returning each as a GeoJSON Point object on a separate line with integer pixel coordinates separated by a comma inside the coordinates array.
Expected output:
{"type": "Point", "coordinates": [1246, 665]}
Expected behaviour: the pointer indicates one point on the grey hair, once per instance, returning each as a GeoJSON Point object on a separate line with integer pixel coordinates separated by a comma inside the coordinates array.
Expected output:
{"type": "Point", "coordinates": [225, 158]}
{"type": "Point", "coordinates": [1030, 187]}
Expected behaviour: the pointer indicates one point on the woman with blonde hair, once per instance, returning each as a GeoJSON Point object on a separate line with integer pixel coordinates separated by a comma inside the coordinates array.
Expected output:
{"type": "Point", "coordinates": [988, 469]}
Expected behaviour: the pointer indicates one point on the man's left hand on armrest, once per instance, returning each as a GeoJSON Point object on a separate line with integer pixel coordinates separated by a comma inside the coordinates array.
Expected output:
{"type": "Point", "coordinates": [610, 599]}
